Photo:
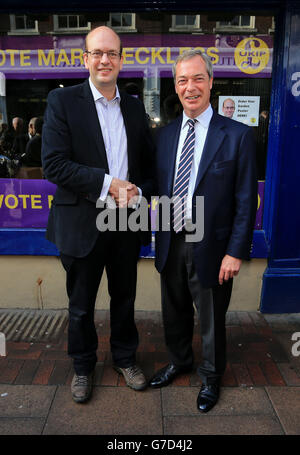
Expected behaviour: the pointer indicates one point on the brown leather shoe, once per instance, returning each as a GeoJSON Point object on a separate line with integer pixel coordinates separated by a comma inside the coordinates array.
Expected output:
{"type": "Point", "coordinates": [81, 387]}
{"type": "Point", "coordinates": [134, 377]}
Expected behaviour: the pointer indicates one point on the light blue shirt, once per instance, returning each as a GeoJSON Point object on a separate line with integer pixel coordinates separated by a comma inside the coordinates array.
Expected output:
{"type": "Point", "coordinates": [114, 136]}
{"type": "Point", "coordinates": [201, 128]}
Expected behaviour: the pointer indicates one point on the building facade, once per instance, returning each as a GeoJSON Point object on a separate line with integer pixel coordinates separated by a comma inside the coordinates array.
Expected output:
{"type": "Point", "coordinates": [254, 56]}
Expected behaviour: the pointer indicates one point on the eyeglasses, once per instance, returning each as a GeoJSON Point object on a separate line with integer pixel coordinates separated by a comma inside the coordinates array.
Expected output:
{"type": "Point", "coordinates": [97, 54]}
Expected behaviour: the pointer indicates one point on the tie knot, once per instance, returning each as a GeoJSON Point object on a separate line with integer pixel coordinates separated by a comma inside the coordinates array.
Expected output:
{"type": "Point", "coordinates": [191, 122]}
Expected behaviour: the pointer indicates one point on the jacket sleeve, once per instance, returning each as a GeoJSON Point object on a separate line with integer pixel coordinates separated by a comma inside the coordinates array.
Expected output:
{"type": "Point", "coordinates": [239, 245]}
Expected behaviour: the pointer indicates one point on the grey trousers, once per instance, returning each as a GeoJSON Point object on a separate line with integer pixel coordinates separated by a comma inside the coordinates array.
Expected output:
{"type": "Point", "coordinates": [181, 290]}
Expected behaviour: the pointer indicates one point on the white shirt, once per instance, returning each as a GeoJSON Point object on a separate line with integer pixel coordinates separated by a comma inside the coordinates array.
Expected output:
{"type": "Point", "coordinates": [114, 136]}
{"type": "Point", "coordinates": [201, 128]}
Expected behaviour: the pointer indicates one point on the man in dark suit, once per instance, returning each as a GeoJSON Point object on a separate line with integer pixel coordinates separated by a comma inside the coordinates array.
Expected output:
{"type": "Point", "coordinates": [96, 141]}
{"type": "Point", "coordinates": [32, 155]}
{"type": "Point", "coordinates": [20, 138]}
{"type": "Point", "coordinates": [202, 154]}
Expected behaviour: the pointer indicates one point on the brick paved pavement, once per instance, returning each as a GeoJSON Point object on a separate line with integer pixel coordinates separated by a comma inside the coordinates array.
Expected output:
{"type": "Point", "coordinates": [260, 389]}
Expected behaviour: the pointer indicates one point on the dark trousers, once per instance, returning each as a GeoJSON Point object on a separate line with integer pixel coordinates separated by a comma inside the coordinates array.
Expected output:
{"type": "Point", "coordinates": [118, 252]}
{"type": "Point", "coordinates": [181, 288]}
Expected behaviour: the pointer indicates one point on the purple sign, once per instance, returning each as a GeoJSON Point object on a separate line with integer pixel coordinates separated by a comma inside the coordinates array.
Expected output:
{"type": "Point", "coordinates": [25, 203]}
{"type": "Point", "coordinates": [143, 55]}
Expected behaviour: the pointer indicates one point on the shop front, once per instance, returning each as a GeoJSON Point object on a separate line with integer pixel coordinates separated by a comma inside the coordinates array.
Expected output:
{"type": "Point", "coordinates": [251, 61]}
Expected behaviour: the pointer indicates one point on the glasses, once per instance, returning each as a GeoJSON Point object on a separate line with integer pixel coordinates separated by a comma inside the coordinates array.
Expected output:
{"type": "Point", "coordinates": [97, 54]}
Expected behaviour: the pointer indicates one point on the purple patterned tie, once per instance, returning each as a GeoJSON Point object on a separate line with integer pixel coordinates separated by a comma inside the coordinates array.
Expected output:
{"type": "Point", "coordinates": [182, 178]}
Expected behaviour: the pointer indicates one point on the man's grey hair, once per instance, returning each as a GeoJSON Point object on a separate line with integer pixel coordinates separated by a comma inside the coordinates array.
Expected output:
{"type": "Point", "coordinates": [190, 54]}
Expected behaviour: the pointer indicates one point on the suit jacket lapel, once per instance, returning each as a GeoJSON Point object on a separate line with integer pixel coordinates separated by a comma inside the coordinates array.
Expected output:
{"type": "Point", "coordinates": [172, 148]}
{"type": "Point", "coordinates": [89, 112]}
{"type": "Point", "coordinates": [214, 139]}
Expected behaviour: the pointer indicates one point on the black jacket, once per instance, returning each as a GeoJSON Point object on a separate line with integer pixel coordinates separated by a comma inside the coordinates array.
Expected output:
{"type": "Point", "coordinates": [74, 158]}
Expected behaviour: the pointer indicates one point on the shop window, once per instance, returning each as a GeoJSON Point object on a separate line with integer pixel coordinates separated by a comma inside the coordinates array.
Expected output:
{"type": "Point", "coordinates": [70, 22]}
{"type": "Point", "coordinates": [272, 29]}
{"type": "Point", "coordinates": [22, 24]}
{"type": "Point", "coordinates": [122, 22]}
{"type": "Point", "coordinates": [238, 23]}
{"type": "Point", "coordinates": [185, 22]}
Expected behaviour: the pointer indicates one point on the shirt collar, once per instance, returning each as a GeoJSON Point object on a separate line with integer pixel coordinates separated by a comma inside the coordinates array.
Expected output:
{"type": "Point", "coordinates": [98, 96]}
{"type": "Point", "coordinates": [204, 118]}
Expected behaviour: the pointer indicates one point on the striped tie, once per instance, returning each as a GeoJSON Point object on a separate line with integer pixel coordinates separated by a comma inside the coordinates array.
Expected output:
{"type": "Point", "coordinates": [182, 178]}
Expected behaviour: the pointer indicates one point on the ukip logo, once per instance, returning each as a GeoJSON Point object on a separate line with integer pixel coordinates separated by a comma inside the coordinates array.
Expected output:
{"type": "Point", "coordinates": [251, 55]}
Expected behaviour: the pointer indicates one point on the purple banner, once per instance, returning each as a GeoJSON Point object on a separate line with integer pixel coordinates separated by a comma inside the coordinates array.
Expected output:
{"type": "Point", "coordinates": [144, 55]}
{"type": "Point", "coordinates": [25, 203]}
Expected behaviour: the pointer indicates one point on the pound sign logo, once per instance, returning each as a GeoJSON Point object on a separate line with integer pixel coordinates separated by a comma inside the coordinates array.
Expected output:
{"type": "Point", "coordinates": [251, 55]}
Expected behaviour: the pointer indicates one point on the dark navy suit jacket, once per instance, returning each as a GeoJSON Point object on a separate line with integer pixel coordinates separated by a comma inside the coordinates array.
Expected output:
{"type": "Point", "coordinates": [74, 158]}
{"type": "Point", "coordinates": [227, 180]}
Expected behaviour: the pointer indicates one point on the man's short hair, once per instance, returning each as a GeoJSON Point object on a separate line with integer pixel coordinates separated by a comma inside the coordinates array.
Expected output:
{"type": "Point", "coordinates": [187, 55]}
{"type": "Point", "coordinates": [228, 99]}
{"type": "Point", "coordinates": [39, 125]}
{"type": "Point", "coordinates": [107, 26]}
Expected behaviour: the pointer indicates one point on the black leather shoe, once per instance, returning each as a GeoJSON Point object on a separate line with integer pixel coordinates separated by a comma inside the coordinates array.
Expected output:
{"type": "Point", "coordinates": [166, 375]}
{"type": "Point", "coordinates": [208, 397]}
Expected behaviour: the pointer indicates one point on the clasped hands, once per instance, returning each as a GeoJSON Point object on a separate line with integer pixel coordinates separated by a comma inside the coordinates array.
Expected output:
{"type": "Point", "coordinates": [124, 193]}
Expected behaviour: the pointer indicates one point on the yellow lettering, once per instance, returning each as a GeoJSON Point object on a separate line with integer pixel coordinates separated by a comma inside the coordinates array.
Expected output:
{"type": "Point", "coordinates": [76, 54]}
{"type": "Point", "coordinates": [183, 49]}
{"type": "Point", "coordinates": [154, 203]}
{"type": "Point", "coordinates": [214, 53]}
{"type": "Point", "coordinates": [24, 57]}
{"type": "Point", "coordinates": [1, 199]}
{"type": "Point", "coordinates": [14, 205]}
{"type": "Point", "coordinates": [45, 60]}
{"type": "Point", "coordinates": [156, 55]}
{"type": "Point", "coordinates": [138, 58]}
{"type": "Point", "coordinates": [3, 56]}
{"type": "Point", "coordinates": [23, 197]}
{"type": "Point", "coordinates": [36, 199]}
{"type": "Point", "coordinates": [128, 53]}
{"type": "Point", "coordinates": [201, 49]}
{"type": "Point", "coordinates": [169, 59]}
{"type": "Point", "coordinates": [12, 53]}
{"type": "Point", "coordinates": [50, 199]}
{"type": "Point", "coordinates": [62, 58]}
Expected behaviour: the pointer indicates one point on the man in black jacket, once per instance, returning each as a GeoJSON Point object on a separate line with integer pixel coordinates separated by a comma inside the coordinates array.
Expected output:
{"type": "Point", "coordinates": [96, 141]}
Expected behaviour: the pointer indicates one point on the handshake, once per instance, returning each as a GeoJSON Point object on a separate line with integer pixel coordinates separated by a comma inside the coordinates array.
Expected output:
{"type": "Point", "coordinates": [124, 193]}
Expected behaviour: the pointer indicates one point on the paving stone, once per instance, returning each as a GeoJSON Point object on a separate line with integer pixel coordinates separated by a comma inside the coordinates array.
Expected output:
{"type": "Point", "coordinates": [60, 372]}
{"type": "Point", "coordinates": [222, 425]}
{"type": "Point", "coordinates": [228, 378]}
{"type": "Point", "coordinates": [9, 370]}
{"type": "Point", "coordinates": [286, 402]}
{"type": "Point", "coordinates": [21, 427]}
{"type": "Point", "coordinates": [272, 373]}
{"type": "Point", "coordinates": [25, 400]}
{"type": "Point", "coordinates": [25, 354]}
{"type": "Point", "coordinates": [258, 319]}
{"type": "Point", "coordinates": [109, 377]}
{"type": "Point", "coordinates": [27, 372]}
{"type": "Point", "coordinates": [232, 401]}
{"type": "Point", "coordinates": [256, 374]}
{"type": "Point", "coordinates": [14, 345]}
{"type": "Point", "coordinates": [241, 373]}
{"type": "Point", "coordinates": [283, 322]}
{"type": "Point", "coordinates": [111, 410]}
{"type": "Point", "coordinates": [289, 374]}
{"type": "Point", "coordinates": [43, 372]}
